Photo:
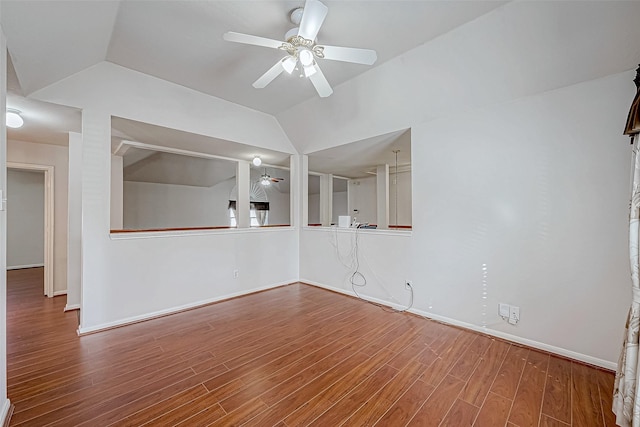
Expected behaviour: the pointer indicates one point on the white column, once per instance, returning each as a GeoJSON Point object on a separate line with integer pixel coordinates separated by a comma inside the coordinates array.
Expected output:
{"type": "Point", "coordinates": [382, 199]}
{"type": "Point", "coordinates": [326, 199]}
{"type": "Point", "coordinates": [299, 174]}
{"type": "Point", "coordinates": [74, 223]}
{"type": "Point", "coordinates": [243, 181]}
{"type": "Point", "coordinates": [116, 192]}
{"type": "Point", "coordinates": [96, 214]}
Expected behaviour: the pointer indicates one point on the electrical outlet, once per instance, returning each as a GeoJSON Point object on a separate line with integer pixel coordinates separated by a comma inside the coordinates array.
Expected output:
{"type": "Point", "coordinates": [408, 284]}
{"type": "Point", "coordinates": [504, 310]}
{"type": "Point", "coordinates": [514, 314]}
{"type": "Point", "coordinates": [236, 273]}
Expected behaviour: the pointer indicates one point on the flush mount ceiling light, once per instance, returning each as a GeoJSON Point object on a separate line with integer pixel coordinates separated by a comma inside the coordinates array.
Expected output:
{"type": "Point", "coordinates": [300, 44]}
{"type": "Point", "coordinates": [256, 161]}
{"type": "Point", "coordinates": [14, 120]}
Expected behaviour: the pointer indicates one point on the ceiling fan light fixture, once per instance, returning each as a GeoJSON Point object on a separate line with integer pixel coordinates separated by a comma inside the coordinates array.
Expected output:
{"type": "Point", "coordinates": [296, 15]}
{"type": "Point", "coordinates": [306, 57]}
{"type": "Point", "coordinates": [289, 64]}
{"type": "Point", "coordinates": [265, 181]}
{"type": "Point", "coordinates": [14, 119]}
{"type": "Point", "coordinates": [257, 161]}
{"type": "Point", "coordinates": [309, 71]}
{"type": "Point", "coordinates": [291, 33]}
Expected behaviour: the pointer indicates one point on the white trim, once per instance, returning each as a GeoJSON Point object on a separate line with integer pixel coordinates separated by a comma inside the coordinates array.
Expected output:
{"type": "Point", "coordinates": [125, 144]}
{"type": "Point", "coordinates": [5, 411]}
{"type": "Point", "coordinates": [20, 267]}
{"type": "Point", "coordinates": [49, 223]}
{"type": "Point", "coordinates": [71, 307]}
{"type": "Point", "coordinates": [58, 293]}
{"type": "Point", "coordinates": [161, 313]}
{"type": "Point", "coordinates": [483, 330]}
{"type": "Point", "coordinates": [364, 231]}
{"type": "Point", "coordinates": [185, 233]}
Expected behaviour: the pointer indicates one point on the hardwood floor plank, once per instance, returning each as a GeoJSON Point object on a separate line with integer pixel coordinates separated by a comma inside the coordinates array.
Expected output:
{"type": "Point", "coordinates": [605, 383]}
{"type": "Point", "coordinates": [323, 400]}
{"type": "Point", "coordinates": [466, 364]}
{"type": "Point", "coordinates": [547, 421]}
{"type": "Point", "coordinates": [206, 416]}
{"type": "Point", "coordinates": [527, 403]}
{"type": "Point", "coordinates": [401, 412]}
{"type": "Point", "coordinates": [242, 414]}
{"type": "Point", "coordinates": [156, 410]}
{"type": "Point", "coordinates": [494, 411]}
{"type": "Point", "coordinates": [291, 403]}
{"type": "Point", "coordinates": [447, 357]}
{"type": "Point", "coordinates": [476, 389]}
{"type": "Point", "coordinates": [557, 394]}
{"type": "Point", "coordinates": [339, 412]}
{"type": "Point", "coordinates": [438, 404]}
{"type": "Point", "coordinates": [586, 408]}
{"type": "Point", "coordinates": [383, 399]}
{"type": "Point", "coordinates": [506, 382]}
{"type": "Point", "coordinates": [461, 414]}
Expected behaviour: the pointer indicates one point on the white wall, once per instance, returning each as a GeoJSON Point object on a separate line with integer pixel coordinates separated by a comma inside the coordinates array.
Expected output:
{"type": "Point", "coordinates": [536, 191]}
{"type": "Point", "coordinates": [279, 207]}
{"type": "Point", "coordinates": [58, 157]}
{"type": "Point", "coordinates": [74, 223]}
{"type": "Point", "coordinates": [25, 219]}
{"type": "Point", "coordinates": [404, 198]}
{"type": "Point", "coordinates": [154, 205]}
{"type": "Point", "coordinates": [339, 207]}
{"type": "Point", "coordinates": [4, 401]}
{"type": "Point", "coordinates": [125, 277]}
{"type": "Point", "coordinates": [362, 196]}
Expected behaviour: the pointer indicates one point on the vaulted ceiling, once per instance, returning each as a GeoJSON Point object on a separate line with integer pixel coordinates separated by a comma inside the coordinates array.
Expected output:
{"type": "Point", "coordinates": [181, 42]}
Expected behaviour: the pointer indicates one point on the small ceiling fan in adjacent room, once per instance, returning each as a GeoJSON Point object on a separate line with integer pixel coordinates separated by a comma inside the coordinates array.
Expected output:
{"type": "Point", "coordinates": [303, 52]}
{"type": "Point", "coordinates": [266, 179]}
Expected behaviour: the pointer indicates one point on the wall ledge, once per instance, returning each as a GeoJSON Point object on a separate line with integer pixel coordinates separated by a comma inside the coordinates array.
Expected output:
{"type": "Point", "coordinates": [185, 233]}
{"type": "Point", "coordinates": [361, 231]}
{"type": "Point", "coordinates": [562, 352]}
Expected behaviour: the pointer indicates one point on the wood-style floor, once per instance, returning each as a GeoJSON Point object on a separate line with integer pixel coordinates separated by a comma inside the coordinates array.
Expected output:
{"type": "Point", "coordinates": [292, 356]}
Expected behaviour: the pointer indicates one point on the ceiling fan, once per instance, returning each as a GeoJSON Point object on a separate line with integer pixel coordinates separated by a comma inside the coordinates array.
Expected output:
{"type": "Point", "coordinates": [301, 47]}
{"type": "Point", "coordinates": [266, 179]}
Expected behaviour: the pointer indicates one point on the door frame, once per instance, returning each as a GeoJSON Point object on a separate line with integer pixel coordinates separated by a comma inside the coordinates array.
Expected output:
{"type": "Point", "coordinates": [49, 224]}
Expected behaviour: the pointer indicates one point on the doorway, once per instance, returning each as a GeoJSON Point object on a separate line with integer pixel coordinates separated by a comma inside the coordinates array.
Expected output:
{"type": "Point", "coordinates": [47, 219]}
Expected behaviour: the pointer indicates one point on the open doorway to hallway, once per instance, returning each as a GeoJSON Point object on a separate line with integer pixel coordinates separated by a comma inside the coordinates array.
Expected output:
{"type": "Point", "coordinates": [30, 226]}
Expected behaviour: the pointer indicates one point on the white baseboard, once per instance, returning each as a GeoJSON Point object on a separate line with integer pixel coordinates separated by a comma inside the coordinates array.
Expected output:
{"type": "Point", "coordinates": [58, 293]}
{"type": "Point", "coordinates": [71, 307]}
{"type": "Point", "coordinates": [161, 313]}
{"type": "Point", "coordinates": [503, 335]}
{"type": "Point", "coordinates": [19, 267]}
{"type": "Point", "coordinates": [4, 412]}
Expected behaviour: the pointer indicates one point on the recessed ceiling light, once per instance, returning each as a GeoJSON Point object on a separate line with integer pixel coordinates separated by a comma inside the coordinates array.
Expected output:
{"type": "Point", "coordinates": [256, 161]}
{"type": "Point", "coordinates": [14, 120]}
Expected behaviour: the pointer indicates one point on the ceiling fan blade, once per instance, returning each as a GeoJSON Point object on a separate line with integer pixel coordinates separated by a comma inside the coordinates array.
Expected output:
{"type": "Point", "coordinates": [249, 39]}
{"type": "Point", "coordinates": [320, 83]}
{"type": "Point", "coordinates": [312, 19]}
{"type": "Point", "coordinates": [268, 77]}
{"type": "Point", "coordinates": [350, 54]}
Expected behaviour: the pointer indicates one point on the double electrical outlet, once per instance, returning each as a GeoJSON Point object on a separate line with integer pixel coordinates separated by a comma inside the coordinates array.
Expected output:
{"type": "Point", "coordinates": [510, 313]}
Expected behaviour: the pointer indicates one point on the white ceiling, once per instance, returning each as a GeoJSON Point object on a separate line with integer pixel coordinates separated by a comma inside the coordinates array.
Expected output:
{"type": "Point", "coordinates": [181, 41]}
